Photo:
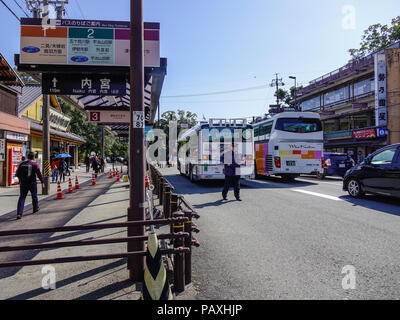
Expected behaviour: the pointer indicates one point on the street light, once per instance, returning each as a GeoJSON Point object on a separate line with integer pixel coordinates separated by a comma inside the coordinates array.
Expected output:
{"type": "Point", "coordinates": [295, 93]}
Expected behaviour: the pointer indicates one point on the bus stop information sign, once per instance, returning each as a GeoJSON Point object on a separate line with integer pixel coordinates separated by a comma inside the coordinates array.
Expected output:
{"type": "Point", "coordinates": [84, 42]}
{"type": "Point", "coordinates": [82, 84]}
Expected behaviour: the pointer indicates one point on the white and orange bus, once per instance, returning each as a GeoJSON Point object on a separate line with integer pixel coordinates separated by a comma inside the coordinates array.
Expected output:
{"type": "Point", "coordinates": [289, 144]}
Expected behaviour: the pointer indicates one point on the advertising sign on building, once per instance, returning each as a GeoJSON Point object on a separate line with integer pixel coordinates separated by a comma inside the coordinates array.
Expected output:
{"type": "Point", "coordinates": [380, 90]}
{"type": "Point", "coordinates": [85, 42]}
{"type": "Point", "coordinates": [58, 120]}
{"type": "Point", "coordinates": [16, 136]}
{"type": "Point", "coordinates": [364, 134]}
{"type": "Point", "coordinates": [2, 149]}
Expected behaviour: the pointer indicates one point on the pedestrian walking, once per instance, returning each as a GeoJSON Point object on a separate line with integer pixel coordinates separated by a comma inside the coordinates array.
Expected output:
{"type": "Point", "coordinates": [230, 160]}
{"type": "Point", "coordinates": [87, 162]}
{"type": "Point", "coordinates": [96, 165]}
{"type": "Point", "coordinates": [360, 157]}
{"type": "Point", "coordinates": [62, 166]}
{"type": "Point", "coordinates": [27, 172]}
{"type": "Point", "coordinates": [102, 164]}
{"type": "Point", "coordinates": [54, 171]}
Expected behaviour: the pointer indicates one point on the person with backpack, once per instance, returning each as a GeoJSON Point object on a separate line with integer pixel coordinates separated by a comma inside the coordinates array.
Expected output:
{"type": "Point", "coordinates": [96, 166]}
{"type": "Point", "coordinates": [62, 167]}
{"type": "Point", "coordinates": [27, 172]}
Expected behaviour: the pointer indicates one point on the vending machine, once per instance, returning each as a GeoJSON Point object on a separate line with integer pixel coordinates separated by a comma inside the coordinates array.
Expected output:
{"type": "Point", "coordinates": [15, 159]}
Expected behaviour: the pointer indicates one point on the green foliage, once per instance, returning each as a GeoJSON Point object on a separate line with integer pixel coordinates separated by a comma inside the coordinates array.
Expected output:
{"type": "Point", "coordinates": [91, 132]}
{"type": "Point", "coordinates": [25, 77]}
{"type": "Point", "coordinates": [377, 37]}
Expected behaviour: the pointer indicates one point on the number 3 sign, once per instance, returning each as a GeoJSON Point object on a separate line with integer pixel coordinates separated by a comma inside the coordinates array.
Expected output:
{"type": "Point", "coordinates": [95, 116]}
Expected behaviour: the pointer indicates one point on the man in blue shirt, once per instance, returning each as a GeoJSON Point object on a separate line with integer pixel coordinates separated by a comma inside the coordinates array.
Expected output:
{"type": "Point", "coordinates": [232, 173]}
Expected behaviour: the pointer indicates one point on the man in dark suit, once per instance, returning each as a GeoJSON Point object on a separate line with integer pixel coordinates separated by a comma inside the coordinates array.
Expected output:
{"type": "Point", "coordinates": [230, 159]}
{"type": "Point", "coordinates": [27, 172]}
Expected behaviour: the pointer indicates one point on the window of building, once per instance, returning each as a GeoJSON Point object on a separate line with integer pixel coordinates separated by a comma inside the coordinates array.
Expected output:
{"type": "Point", "coordinates": [310, 104]}
{"type": "Point", "coordinates": [363, 87]}
{"type": "Point", "coordinates": [336, 97]}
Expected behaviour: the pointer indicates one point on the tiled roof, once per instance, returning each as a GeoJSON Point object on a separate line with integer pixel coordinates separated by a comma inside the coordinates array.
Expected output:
{"type": "Point", "coordinates": [30, 93]}
{"type": "Point", "coordinates": [7, 75]}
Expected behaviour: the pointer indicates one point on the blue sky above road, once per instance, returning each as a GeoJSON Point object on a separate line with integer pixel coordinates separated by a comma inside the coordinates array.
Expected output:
{"type": "Point", "coordinates": [224, 45]}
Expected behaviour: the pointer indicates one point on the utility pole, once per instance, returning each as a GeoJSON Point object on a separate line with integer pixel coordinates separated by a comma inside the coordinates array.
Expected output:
{"type": "Point", "coordinates": [136, 140]}
{"type": "Point", "coordinates": [277, 83]}
{"type": "Point", "coordinates": [295, 92]}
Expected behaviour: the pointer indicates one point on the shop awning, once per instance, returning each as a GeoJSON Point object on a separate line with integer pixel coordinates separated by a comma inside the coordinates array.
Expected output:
{"type": "Point", "coordinates": [9, 122]}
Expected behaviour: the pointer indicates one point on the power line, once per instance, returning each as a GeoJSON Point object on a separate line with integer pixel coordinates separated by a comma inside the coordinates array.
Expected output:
{"type": "Point", "coordinates": [10, 10]}
{"type": "Point", "coordinates": [22, 9]}
{"type": "Point", "coordinates": [80, 9]}
{"type": "Point", "coordinates": [216, 93]}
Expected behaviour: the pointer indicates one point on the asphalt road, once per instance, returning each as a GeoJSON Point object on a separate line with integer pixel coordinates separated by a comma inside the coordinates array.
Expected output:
{"type": "Point", "coordinates": [292, 241]}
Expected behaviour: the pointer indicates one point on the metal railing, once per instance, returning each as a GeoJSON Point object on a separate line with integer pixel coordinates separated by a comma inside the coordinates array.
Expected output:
{"type": "Point", "coordinates": [176, 207]}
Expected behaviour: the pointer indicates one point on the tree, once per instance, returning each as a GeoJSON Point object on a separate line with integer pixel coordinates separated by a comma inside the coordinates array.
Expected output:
{"type": "Point", "coordinates": [377, 37]}
{"type": "Point", "coordinates": [25, 77]}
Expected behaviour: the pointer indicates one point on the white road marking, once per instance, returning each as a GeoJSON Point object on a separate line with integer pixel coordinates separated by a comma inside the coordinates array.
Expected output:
{"type": "Point", "coordinates": [318, 194]}
{"type": "Point", "coordinates": [318, 182]}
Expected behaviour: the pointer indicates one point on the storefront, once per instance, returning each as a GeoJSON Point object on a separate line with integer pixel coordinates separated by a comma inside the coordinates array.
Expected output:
{"type": "Point", "coordinates": [12, 148]}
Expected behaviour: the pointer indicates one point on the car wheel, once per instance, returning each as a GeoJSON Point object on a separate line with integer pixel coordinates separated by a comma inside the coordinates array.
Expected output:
{"type": "Point", "coordinates": [354, 188]}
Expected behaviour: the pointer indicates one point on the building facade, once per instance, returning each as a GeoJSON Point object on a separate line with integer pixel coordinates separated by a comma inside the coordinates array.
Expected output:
{"type": "Point", "coordinates": [358, 103]}
{"type": "Point", "coordinates": [14, 131]}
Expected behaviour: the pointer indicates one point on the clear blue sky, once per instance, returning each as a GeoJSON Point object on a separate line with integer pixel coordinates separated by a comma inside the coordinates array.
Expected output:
{"type": "Point", "coordinates": [221, 45]}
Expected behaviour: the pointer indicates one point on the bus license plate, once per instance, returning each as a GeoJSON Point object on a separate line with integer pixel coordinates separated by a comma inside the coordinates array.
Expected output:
{"type": "Point", "coordinates": [291, 163]}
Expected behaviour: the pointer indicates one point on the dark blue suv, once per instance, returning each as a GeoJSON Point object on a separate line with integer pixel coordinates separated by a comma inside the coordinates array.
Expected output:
{"type": "Point", "coordinates": [379, 173]}
{"type": "Point", "coordinates": [336, 164]}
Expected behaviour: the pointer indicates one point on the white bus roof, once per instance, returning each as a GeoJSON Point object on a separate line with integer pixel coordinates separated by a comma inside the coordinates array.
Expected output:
{"type": "Point", "coordinates": [314, 115]}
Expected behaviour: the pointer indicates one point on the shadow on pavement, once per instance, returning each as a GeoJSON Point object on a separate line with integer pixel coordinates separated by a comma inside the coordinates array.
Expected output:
{"type": "Point", "coordinates": [379, 203]}
{"type": "Point", "coordinates": [62, 283]}
{"type": "Point", "coordinates": [46, 219]}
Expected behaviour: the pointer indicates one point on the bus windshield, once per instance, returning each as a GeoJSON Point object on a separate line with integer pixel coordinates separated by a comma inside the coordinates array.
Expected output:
{"type": "Point", "coordinates": [299, 125]}
{"type": "Point", "coordinates": [227, 134]}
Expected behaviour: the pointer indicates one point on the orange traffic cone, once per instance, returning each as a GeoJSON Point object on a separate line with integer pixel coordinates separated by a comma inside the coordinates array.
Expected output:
{"type": "Point", "coordinates": [77, 186]}
{"type": "Point", "coordinates": [122, 171]}
{"type": "Point", "coordinates": [93, 180]}
{"type": "Point", "coordinates": [146, 181]}
{"type": "Point", "coordinates": [59, 191]}
{"type": "Point", "coordinates": [114, 173]}
{"type": "Point", "coordinates": [111, 175]}
{"type": "Point", "coordinates": [70, 189]}
{"type": "Point", "coordinates": [118, 177]}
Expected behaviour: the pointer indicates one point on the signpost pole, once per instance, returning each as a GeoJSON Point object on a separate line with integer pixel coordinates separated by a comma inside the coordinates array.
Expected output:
{"type": "Point", "coordinates": [102, 146]}
{"type": "Point", "coordinates": [136, 145]}
{"type": "Point", "coordinates": [46, 145]}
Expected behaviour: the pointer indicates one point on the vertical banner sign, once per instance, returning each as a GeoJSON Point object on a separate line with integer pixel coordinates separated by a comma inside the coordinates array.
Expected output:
{"type": "Point", "coordinates": [138, 119]}
{"type": "Point", "coordinates": [2, 149]}
{"type": "Point", "coordinates": [380, 90]}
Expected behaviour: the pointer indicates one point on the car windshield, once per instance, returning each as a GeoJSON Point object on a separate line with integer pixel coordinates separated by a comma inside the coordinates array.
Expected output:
{"type": "Point", "coordinates": [299, 125]}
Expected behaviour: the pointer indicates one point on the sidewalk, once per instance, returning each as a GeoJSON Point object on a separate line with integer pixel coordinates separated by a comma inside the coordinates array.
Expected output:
{"type": "Point", "coordinates": [106, 202]}
{"type": "Point", "coordinates": [9, 195]}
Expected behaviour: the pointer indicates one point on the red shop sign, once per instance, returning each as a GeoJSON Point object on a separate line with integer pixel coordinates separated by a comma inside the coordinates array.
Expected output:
{"type": "Point", "coordinates": [364, 134]}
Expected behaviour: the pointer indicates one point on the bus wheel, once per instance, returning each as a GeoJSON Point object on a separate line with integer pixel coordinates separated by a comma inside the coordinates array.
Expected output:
{"type": "Point", "coordinates": [288, 178]}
